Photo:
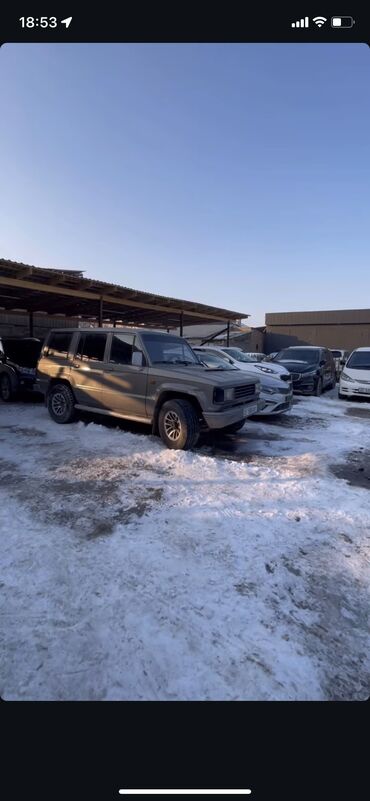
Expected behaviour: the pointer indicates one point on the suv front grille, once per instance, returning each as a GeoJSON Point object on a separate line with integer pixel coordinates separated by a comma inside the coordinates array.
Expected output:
{"type": "Point", "coordinates": [244, 391]}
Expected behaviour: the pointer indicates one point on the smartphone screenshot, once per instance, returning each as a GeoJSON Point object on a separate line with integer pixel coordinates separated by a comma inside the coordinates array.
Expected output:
{"type": "Point", "coordinates": [185, 363]}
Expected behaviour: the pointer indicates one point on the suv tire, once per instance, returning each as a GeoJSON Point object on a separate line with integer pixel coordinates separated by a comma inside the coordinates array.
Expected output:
{"type": "Point", "coordinates": [60, 403]}
{"type": "Point", "coordinates": [6, 390]}
{"type": "Point", "coordinates": [178, 424]}
{"type": "Point", "coordinates": [318, 387]}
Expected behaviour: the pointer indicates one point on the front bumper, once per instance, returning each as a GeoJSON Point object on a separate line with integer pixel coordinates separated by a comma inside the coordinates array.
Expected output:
{"type": "Point", "coordinates": [234, 414]}
{"type": "Point", "coordinates": [277, 403]}
{"type": "Point", "coordinates": [304, 386]}
{"type": "Point", "coordinates": [354, 389]}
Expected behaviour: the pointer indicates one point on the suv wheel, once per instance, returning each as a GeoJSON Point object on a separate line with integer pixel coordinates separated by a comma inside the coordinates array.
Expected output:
{"type": "Point", "coordinates": [178, 424]}
{"type": "Point", "coordinates": [60, 403]}
{"type": "Point", "coordinates": [6, 390]}
{"type": "Point", "coordinates": [318, 388]}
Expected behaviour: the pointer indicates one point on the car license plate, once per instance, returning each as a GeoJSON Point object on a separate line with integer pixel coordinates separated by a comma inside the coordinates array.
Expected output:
{"type": "Point", "coordinates": [248, 410]}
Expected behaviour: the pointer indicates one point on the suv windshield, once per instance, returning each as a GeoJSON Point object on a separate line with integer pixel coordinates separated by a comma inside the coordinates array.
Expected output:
{"type": "Point", "coordinates": [167, 349]}
{"type": "Point", "coordinates": [336, 354]}
{"type": "Point", "coordinates": [298, 355]}
{"type": "Point", "coordinates": [359, 360]}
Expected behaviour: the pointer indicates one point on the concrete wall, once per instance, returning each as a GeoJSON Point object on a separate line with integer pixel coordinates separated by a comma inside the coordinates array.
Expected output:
{"type": "Point", "coordinates": [346, 337]}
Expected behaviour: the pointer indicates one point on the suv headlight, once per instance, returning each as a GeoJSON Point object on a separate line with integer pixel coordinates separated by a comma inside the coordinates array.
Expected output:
{"type": "Point", "coordinates": [347, 378]}
{"type": "Point", "coordinates": [268, 390]}
{"type": "Point", "coordinates": [221, 395]}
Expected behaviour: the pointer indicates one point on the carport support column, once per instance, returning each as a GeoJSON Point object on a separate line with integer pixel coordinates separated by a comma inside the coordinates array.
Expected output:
{"type": "Point", "coordinates": [181, 324]}
{"type": "Point", "coordinates": [100, 312]}
{"type": "Point", "coordinates": [228, 334]}
{"type": "Point", "coordinates": [31, 323]}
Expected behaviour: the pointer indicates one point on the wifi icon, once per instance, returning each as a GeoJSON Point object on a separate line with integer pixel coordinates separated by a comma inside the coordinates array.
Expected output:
{"type": "Point", "coordinates": [319, 21]}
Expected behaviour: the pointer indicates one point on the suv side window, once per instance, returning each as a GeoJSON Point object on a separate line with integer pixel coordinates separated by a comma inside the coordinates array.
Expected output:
{"type": "Point", "coordinates": [59, 343]}
{"type": "Point", "coordinates": [91, 347]}
{"type": "Point", "coordinates": [121, 349]}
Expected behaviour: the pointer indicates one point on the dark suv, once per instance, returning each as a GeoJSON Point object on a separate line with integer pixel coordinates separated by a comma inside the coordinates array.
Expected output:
{"type": "Point", "coordinates": [312, 369]}
{"type": "Point", "coordinates": [18, 361]}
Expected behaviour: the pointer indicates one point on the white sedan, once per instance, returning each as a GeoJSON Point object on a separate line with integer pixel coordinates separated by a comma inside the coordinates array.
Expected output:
{"type": "Point", "coordinates": [355, 378]}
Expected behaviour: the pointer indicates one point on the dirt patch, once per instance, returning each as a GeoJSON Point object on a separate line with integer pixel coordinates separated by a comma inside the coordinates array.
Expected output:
{"type": "Point", "coordinates": [245, 587]}
{"type": "Point", "coordinates": [361, 413]}
{"type": "Point", "coordinates": [355, 470]}
{"type": "Point", "coordinates": [25, 432]}
{"type": "Point", "coordinates": [293, 421]}
{"type": "Point", "coordinates": [91, 508]}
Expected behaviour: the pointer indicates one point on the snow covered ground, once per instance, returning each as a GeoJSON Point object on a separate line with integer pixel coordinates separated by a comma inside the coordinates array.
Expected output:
{"type": "Point", "coordinates": [238, 571]}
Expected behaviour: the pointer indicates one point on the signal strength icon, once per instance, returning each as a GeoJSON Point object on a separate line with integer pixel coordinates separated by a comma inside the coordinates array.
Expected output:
{"type": "Point", "coordinates": [319, 21]}
{"type": "Point", "coordinates": [300, 23]}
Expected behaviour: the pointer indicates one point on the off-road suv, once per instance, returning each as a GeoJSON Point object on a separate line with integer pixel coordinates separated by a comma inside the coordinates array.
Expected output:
{"type": "Point", "coordinates": [143, 375]}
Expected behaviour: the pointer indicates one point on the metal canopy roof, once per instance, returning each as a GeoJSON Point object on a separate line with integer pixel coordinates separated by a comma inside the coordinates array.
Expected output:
{"type": "Point", "coordinates": [51, 291]}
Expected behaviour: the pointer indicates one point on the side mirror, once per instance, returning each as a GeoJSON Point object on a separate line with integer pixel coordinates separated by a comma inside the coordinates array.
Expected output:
{"type": "Point", "coordinates": [137, 358]}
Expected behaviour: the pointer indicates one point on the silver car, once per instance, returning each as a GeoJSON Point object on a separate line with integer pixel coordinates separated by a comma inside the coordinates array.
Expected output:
{"type": "Point", "coordinates": [276, 393]}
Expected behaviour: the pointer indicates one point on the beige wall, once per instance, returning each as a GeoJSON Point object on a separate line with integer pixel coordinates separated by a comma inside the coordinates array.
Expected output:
{"type": "Point", "coordinates": [347, 337]}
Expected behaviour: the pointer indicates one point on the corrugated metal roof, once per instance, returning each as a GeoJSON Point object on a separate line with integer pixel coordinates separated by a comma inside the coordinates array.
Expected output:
{"type": "Point", "coordinates": [141, 304]}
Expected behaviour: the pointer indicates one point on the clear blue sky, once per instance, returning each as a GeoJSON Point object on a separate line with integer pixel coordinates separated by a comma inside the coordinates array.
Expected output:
{"type": "Point", "coordinates": [236, 175]}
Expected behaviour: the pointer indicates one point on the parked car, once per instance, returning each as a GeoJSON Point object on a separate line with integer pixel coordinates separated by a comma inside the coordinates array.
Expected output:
{"type": "Point", "coordinates": [212, 360]}
{"type": "Point", "coordinates": [243, 361]}
{"type": "Point", "coordinates": [312, 368]}
{"type": "Point", "coordinates": [257, 357]}
{"type": "Point", "coordinates": [276, 394]}
{"type": "Point", "coordinates": [143, 375]}
{"type": "Point", "coordinates": [18, 360]}
{"type": "Point", "coordinates": [340, 357]}
{"type": "Point", "coordinates": [355, 377]}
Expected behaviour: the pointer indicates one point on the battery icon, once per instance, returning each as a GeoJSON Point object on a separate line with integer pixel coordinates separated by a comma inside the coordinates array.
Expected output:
{"type": "Point", "coordinates": [342, 22]}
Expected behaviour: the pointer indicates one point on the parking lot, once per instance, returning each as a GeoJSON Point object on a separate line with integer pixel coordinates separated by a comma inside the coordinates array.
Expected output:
{"type": "Point", "coordinates": [237, 571]}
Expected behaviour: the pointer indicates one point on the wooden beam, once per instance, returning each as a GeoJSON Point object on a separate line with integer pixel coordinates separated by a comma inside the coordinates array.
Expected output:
{"type": "Point", "coordinates": [80, 294]}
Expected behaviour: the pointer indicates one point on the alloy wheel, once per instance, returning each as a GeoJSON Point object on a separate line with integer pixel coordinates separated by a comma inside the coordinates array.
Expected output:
{"type": "Point", "coordinates": [172, 426]}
